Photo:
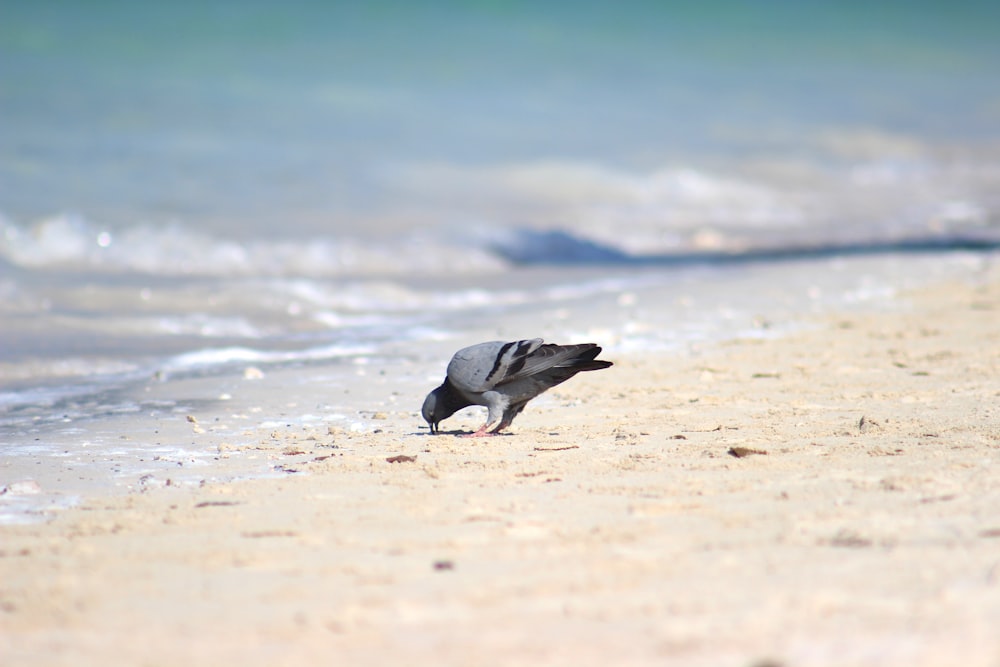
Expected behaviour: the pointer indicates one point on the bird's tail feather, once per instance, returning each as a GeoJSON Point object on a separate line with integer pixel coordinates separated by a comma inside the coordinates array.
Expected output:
{"type": "Point", "coordinates": [592, 365]}
{"type": "Point", "coordinates": [584, 360]}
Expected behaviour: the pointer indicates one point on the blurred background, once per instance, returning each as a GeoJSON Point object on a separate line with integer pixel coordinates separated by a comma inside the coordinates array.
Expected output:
{"type": "Point", "coordinates": [188, 185]}
{"type": "Point", "coordinates": [302, 119]}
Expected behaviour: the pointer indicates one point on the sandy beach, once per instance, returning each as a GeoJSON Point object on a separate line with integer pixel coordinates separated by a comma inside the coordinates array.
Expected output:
{"type": "Point", "coordinates": [825, 498]}
{"type": "Point", "coordinates": [240, 243]}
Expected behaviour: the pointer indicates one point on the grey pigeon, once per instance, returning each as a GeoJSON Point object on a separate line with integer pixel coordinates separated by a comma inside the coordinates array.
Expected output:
{"type": "Point", "coordinates": [504, 377]}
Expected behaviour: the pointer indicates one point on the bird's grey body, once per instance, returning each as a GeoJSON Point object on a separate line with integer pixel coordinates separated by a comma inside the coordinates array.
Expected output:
{"type": "Point", "coordinates": [504, 376]}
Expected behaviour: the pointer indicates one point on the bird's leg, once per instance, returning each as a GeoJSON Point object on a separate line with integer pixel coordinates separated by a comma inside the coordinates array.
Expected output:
{"type": "Point", "coordinates": [497, 410]}
{"type": "Point", "coordinates": [508, 417]}
{"type": "Point", "coordinates": [504, 423]}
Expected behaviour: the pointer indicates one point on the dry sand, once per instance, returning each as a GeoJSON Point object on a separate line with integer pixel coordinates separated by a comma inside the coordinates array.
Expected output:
{"type": "Point", "coordinates": [615, 525]}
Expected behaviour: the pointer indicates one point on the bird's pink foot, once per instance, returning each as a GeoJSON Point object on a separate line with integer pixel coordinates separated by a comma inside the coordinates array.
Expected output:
{"type": "Point", "coordinates": [481, 433]}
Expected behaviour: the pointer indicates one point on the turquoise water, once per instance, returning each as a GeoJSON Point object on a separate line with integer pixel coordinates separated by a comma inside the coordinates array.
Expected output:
{"type": "Point", "coordinates": [257, 118]}
{"type": "Point", "coordinates": [311, 148]}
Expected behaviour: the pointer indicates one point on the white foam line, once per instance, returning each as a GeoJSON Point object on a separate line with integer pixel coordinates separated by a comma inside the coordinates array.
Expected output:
{"type": "Point", "coordinates": [227, 355]}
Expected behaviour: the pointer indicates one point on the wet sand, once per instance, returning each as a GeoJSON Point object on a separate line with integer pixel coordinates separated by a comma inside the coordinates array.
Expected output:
{"type": "Point", "coordinates": [825, 498]}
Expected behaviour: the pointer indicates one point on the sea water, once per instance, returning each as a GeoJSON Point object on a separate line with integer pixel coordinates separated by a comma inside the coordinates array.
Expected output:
{"type": "Point", "coordinates": [189, 190]}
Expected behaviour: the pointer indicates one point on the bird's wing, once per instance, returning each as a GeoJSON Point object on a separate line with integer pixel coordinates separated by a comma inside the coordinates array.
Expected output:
{"type": "Point", "coordinates": [481, 367]}
{"type": "Point", "coordinates": [485, 366]}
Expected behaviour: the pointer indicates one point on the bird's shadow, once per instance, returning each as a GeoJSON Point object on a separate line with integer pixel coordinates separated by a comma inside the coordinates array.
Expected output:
{"type": "Point", "coordinates": [458, 433]}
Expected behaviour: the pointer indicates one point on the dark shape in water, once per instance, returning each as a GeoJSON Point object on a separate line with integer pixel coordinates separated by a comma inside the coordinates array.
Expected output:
{"type": "Point", "coordinates": [555, 247]}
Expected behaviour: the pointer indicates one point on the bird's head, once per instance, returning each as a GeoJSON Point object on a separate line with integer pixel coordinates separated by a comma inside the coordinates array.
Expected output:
{"type": "Point", "coordinates": [442, 403]}
{"type": "Point", "coordinates": [429, 411]}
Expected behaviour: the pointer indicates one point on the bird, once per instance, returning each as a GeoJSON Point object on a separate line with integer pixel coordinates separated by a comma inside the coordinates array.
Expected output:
{"type": "Point", "coordinates": [503, 377]}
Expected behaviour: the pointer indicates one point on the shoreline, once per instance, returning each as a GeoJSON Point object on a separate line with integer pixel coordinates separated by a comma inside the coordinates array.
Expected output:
{"type": "Point", "coordinates": [827, 497]}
